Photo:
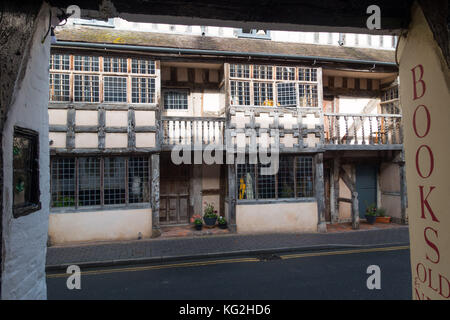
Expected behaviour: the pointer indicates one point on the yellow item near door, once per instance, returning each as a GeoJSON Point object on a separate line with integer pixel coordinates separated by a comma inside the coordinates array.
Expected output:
{"type": "Point", "coordinates": [241, 188]}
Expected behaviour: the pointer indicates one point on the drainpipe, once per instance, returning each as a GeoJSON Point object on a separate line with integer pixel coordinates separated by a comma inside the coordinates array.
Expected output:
{"type": "Point", "coordinates": [218, 53]}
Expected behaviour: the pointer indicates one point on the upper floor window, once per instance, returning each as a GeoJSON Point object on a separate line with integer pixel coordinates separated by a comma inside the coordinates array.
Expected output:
{"type": "Point", "coordinates": [96, 79]}
{"type": "Point", "coordinates": [266, 85]}
{"type": "Point", "coordinates": [176, 99]}
{"type": "Point", "coordinates": [390, 103]}
{"type": "Point", "coordinates": [254, 33]}
{"type": "Point", "coordinates": [25, 172]}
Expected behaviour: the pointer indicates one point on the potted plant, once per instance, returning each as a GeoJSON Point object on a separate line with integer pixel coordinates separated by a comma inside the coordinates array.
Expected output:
{"type": "Point", "coordinates": [371, 214]}
{"type": "Point", "coordinates": [210, 215]}
{"type": "Point", "coordinates": [222, 222]}
{"type": "Point", "coordinates": [198, 224]}
{"type": "Point", "coordinates": [381, 216]}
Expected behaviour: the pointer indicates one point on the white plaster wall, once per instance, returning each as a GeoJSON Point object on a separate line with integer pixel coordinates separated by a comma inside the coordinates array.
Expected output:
{"type": "Point", "coordinates": [25, 238]}
{"type": "Point", "coordinates": [123, 224]}
{"type": "Point", "coordinates": [390, 182]}
{"type": "Point", "coordinates": [277, 217]}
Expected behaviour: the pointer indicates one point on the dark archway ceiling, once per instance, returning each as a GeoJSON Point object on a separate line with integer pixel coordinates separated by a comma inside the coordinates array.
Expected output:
{"type": "Point", "coordinates": [304, 15]}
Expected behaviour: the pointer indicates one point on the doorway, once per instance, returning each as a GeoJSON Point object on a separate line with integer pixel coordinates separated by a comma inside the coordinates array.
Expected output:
{"type": "Point", "coordinates": [366, 186]}
{"type": "Point", "coordinates": [174, 192]}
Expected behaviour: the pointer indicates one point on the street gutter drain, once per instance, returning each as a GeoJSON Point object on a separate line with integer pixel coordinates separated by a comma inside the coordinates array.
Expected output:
{"type": "Point", "coordinates": [268, 257]}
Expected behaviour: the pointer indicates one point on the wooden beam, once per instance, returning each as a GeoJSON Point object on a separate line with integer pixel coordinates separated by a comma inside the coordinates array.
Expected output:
{"type": "Point", "coordinates": [232, 197]}
{"type": "Point", "coordinates": [336, 191]}
{"type": "Point", "coordinates": [320, 193]}
{"type": "Point", "coordinates": [156, 230]}
{"type": "Point", "coordinates": [347, 180]}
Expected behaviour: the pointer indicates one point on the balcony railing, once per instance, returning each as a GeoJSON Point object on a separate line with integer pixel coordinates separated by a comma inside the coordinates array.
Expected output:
{"type": "Point", "coordinates": [362, 129]}
{"type": "Point", "coordinates": [192, 130]}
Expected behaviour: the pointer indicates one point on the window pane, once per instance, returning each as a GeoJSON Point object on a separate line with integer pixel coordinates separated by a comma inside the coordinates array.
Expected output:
{"type": "Point", "coordinates": [304, 172]}
{"type": "Point", "coordinates": [308, 95]}
{"type": "Point", "coordinates": [22, 169]}
{"type": "Point", "coordinates": [239, 70]}
{"type": "Point", "coordinates": [143, 90]}
{"type": "Point", "coordinates": [246, 181]}
{"type": "Point", "coordinates": [262, 72]}
{"type": "Point", "coordinates": [287, 96]}
{"type": "Point", "coordinates": [286, 178]}
{"type": "Point", "coordinates": [138, 188]}
{"type": "Point", "coordinates": [266, 183]}
{"type": "Point", "coordinates": [240, 93]}
{"type": "Point", "coordinates": [115, 89]}
{"type": "Point", "coordinates": [263, 93]}
{"type": "Point", "coordinates": [59, 88]}
{"type": "Point", "coordinates": [176, 100]}
{"type": "Point", "coordinates": [59, 62]}
{"type": "Point", "coordinates": [63, 182]}
{"type": "Point", "coordinates": [285, 73]}
{"type": "Point", "coordinates": [88, 181]}
{"type": "Point", "coordinates": [142, 66]}
{"type": "Point", "coordinates": [86, 63]}
{"type": "Point", "coordinates": [307, 74]}
{"type": "Point", "coordinates": [114, 181]}
{"type": "Point", "coordinates": [114, 64]}
{"type": "Point", "coordinates": [86, 88]}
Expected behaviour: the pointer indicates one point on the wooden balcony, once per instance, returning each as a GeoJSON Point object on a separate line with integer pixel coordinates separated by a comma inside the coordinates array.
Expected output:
{"type": "Point", "coordinates": [362, 131]}
{"type": "Point", "coordinates": [192, 131]}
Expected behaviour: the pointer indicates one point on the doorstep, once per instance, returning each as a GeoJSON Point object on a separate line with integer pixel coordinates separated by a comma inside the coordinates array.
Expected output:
{"type": "Point", "coordinates": [189, 231]}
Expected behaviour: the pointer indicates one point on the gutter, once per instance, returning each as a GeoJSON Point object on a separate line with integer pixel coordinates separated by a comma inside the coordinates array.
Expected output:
{"type": "Point", "coordinates": [218, 53]}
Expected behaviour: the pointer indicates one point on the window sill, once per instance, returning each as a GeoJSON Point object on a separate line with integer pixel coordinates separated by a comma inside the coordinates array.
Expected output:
{"type": "Point", "coordinates": [21, 211]}
{"type": "Point", "coordinates": [100, 208]}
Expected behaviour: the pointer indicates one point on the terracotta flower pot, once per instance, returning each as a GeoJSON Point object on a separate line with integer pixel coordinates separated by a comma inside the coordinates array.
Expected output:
{"type": "Point", "coordinates": [383, 219]}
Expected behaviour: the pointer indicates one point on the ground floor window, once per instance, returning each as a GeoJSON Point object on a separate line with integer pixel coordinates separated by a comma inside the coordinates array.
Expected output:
{"type": "Point", "coordinates": [99, 181]}
{"type": "Point", "coordinates": [295, 179]}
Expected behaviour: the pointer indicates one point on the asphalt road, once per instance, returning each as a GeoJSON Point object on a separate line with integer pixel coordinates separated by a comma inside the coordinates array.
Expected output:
{"type": "Point", "coordinates": [316, 275]}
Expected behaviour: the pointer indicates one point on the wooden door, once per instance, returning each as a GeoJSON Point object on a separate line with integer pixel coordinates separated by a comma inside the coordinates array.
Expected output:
{"type": "Point", "coordinates": [174, 193]}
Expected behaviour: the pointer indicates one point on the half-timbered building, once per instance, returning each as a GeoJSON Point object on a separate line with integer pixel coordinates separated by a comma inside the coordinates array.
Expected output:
{"type": "Point", "coordinates": [122, 103]}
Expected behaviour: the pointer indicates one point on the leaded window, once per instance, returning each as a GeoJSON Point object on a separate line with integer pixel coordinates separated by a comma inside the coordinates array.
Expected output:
{"type": "Point", "coordinates": [240, 71]}
{"type": "Point", "coordinates": [143, 90]}
{"type": "Point", "coordinates": [287, 94]}
{"type": "Point", "coordinates": [274, 86]}
{"type": "Point", "coordinates": [294, 179]}
{"type": "Point", "coordinates": [86, 88]}
{"type": "Point", "coordinates": [25, 172]}
{"type": "Point", "coordinates": [141, 66]}
{"type": "Point", "coordinates": [114, 64]}
{"type": "Point", "coordinates": [176, 99]}
{"type": "Point", "coordinates": [99, 181]}
{"type": "Point", "coordinates": [115, 89]}
{"type": "Point", "coordinates": [263, 93]}
{"type": "Point", "coordinates": [96, 79]}
{"type": "Point", "coordinates": [86, 63]}
{"type": "Point", "coordinates": [240, 93]}
{"type": "Point", "coordinates": [59, 87]}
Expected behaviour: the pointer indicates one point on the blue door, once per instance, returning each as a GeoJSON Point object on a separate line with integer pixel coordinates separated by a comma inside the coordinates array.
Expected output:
{"type": "Point", "coordinates": [366, 186]}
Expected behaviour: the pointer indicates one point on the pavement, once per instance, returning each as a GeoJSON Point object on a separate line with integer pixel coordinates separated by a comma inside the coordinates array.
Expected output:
{"type": "Point", "coordinates": [226, 245]}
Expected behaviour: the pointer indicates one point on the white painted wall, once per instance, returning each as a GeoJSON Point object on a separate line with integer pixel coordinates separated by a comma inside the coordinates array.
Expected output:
{"type": "Point", "coordinates": [25, 238]}
{"type": "Point", "coordinates": [277, 217]}
{"type": "Point", "coordinates": [85, 226]}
